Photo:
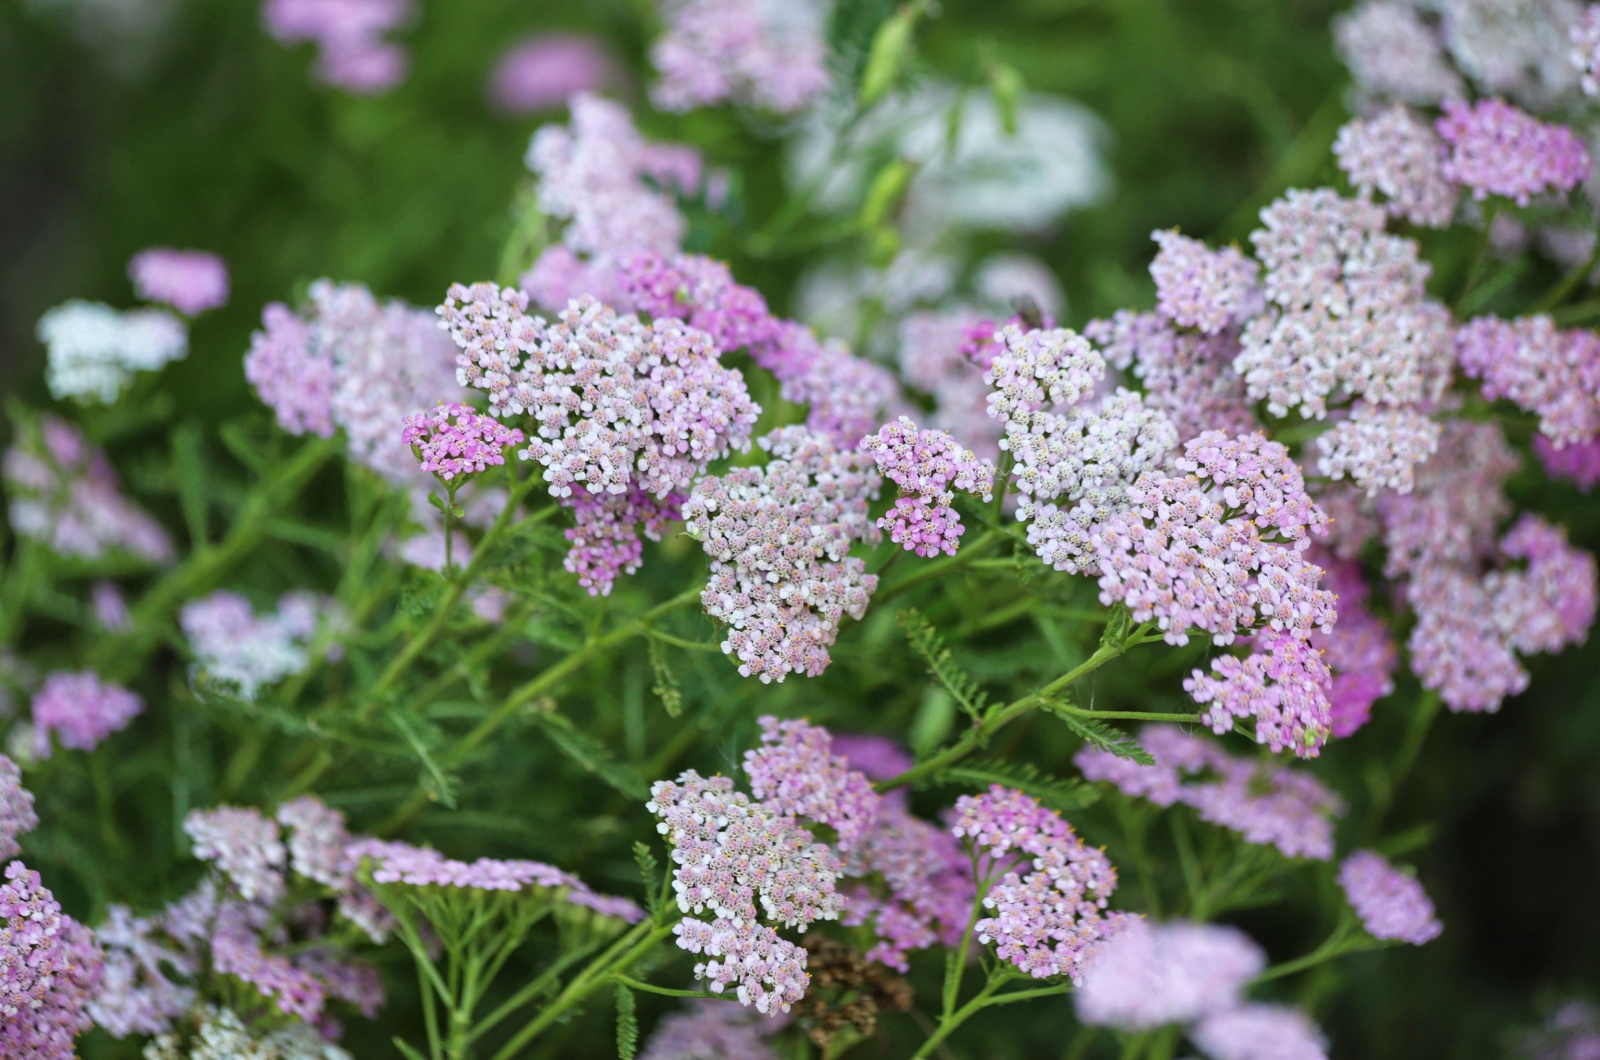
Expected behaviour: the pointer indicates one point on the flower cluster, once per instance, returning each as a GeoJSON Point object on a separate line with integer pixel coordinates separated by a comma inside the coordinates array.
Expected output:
{"type": "Point", "coordinates": [351, 362]}
{"type": "Point", "coordinates": [80, 710]}
{"type": "Point", "coordinates": [222, 1034]}
{"type": "Point", "coordinates": [1187, 376]}
{"type": "Point", "coordinates": [247, 652]}
{"type": "Point", "coordinates": [95, 350]}
{"type": "Point", "coordinates": [741, 51]}
{"type": "Point", "coordinates": [846, 395]}
{"type": "Point", "coordinates": [1197, 287]}
{"type": "Point", "coordinates": [1359, 651]}
{"type": "Point", "coordinates": [1553, 373]}
{"type": "Point", "coordinates": [779, 537]}
{"type": "Point", "coordinates": [1586, 49]}
{"type": "Point", "coordinates": [1152, 975]}
{"type": "Point", "coordinates": [191, 281]}
{"type": "Point", "coordinates": [349, 34]}
{"type": "Point", "coordinates": [1048, 906]}
{"type": "Point", "coordinates": [454, 441]}
{"type": "Point", "coordinates": [1378, 447]}
{"type": "Point", "coordinates": [1391, 904]}
{"type": "Point", "coordinates": [613, 189]}
{"type": "Point", "coordinates": [1578, 463]}
{"type": "Point", "coordinates": [16, 808]}
{"type": "Point", "coordinates": [1397, 154]}
{"type": "Point", "coordinates": [709, 1029]}
{"type": "Point", "coordinates": [1392, 52]}
{"type": "Point", "coordinates": [928, 466]}
{"type": "Point", "coordinates": [1497, 149]}
{"type": "Point", "coordinates": [1283, 684]}
{"type": "Point", "coordinates": [1347, 310]}
{"type": "Point", "coordinates": [542, 72]}
{"type": "Point", "coordinates": [49, 969]}
{"type": "Point", "coordinates": [1251, 1032]}
{"type": "Point", "coordinates": [732, 854]}
{"type": "Point", "coordinates": [1266, 804]}
{"type": "Point", "coordinates": [64, 494]}
{"type": "Point", "coordinates": [1074, 468]}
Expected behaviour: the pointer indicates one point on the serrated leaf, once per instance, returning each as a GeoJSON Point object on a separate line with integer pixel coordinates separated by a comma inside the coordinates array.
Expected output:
{"type": "Point", "coordinates": [1053, 791]}
{"type": "Point", "coordinates": [627, 1024]}
{"type": "Point", "coordinates": [925, 640]}
{"type": "Point", "coordinates": [665, 685]}
{"type": "Point", "coordinates": [650, 873]}
{"type": "Point", "coordinates": [441, 782]}
{"type": "Point", "coordinates": [1101, 736]}
{"type": "Point", "coordinates": [592, 756]}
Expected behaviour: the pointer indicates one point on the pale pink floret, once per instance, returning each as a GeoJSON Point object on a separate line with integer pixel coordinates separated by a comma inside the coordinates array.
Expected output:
{"type": "Point", "coordinates": [927, 465]}
{"type": "Point", "coordinates": [17, 815]}
{"type": "Point", "coordinates": [1259, 1032]}
{"type": "Point", "coordinates": [454, 441]}
{"type": "Point", "coordinates": [1551, 372]}
{"type": "Point", "coordinates": [80, 710]}
{"type": "Point", "coordinates": [740, 51]}
{"type": "Point", "coordinates": [190, 281]}
{"type": "Point", "coordinates": [1397, 154]}
{"type": "Point", "coordinates": [1153, 975]}
{"type": "Point", "coordinates": [541, 72]}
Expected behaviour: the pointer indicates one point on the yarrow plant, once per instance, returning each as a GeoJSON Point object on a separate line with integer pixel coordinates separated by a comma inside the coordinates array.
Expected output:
{"type": "Point", "coordinates": [768, 589]}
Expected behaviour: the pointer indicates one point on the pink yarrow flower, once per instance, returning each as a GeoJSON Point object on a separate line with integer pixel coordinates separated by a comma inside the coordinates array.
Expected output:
{"type": "Point", "coordinates": [1197, 287]}
{"type": "Point", "coordinates": [1578, 463]}
{"type": "Point", "coordinates": [453, 441]}
{"type": "Point", "coordinates": [17, 815]}
{"type": "Point", "coordinates": [191, 281]}
{"type": "Point", "coordinates": [1498, 149]}
{"type": "Point", "coordinates": [1259, 1032]}
{"type": "Point", "coordinates": [80, 710]}
{"type": "Point", "coordinates": [1153, 975]}
{"type": "Point", "coordinates": [1397, 154]}
{"type": "Point", "coordinates": [50, 967]}
{"type": "Point", "coordinates": [1390, 903]}
{"type": "Point", "coordinates": [1047, 911]}
{"type": "Point", "coordinates": [541, 72]}
{"type": "Point", "coordinates": [1585, 52]}
{"type": "Point", "coordinates": [927, 465]}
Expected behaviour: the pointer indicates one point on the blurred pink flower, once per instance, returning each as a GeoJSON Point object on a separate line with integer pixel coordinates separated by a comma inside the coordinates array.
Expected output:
{"type": "Point", "coordinates": [541, 72]}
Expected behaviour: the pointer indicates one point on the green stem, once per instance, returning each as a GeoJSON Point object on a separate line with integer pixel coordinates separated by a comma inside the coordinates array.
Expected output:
{"type": "Point", "coordinates": [458, 587]}
{"type": "Point", "coordinates": [532, 690]}
{"type": "Point", "coordinates": [1480, 255]}
{"type": "Point", "coordinates": [999, 717]}
{"type": "Point", "coordinates": [18, 584]}
{"type": "Point", "coordinates": [118, 658]}
{"type": "Point", "coordinates": [622, 954]}
{"type": "Point", "coordinates": [664, 991]}
{"type": "Point", "coordinates": [949, 1023]}
{"type": "Point", "coordinates": [1416, 735]}
{"type": "Point", "coordinates": [940, 567]}
{"type": "Point", "coordinates": [1335, 945]}
{"type": "Point", "coordinates": [1569, 282]}
{"type": "Point", "coordinates": [530, 991]}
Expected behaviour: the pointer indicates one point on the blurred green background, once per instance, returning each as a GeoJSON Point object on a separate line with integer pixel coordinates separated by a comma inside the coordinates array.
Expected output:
{"type": "Point", "coordinates": [218, 140]}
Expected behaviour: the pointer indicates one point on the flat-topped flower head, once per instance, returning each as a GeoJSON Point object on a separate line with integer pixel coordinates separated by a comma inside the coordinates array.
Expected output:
{"type": "Point", "coordinates": [1283, 684]}
{"type": "Point", "coordinates": [353, 52]}
{"type": "Point", "coordinates": [64, 494]}
{"type": "Point", "coordinates": [191, 281]}
{"type": "Point", "coordinates": [245, 846]}
{"type": "Point", "coordinates": [247, 652]}
{"type": "Point", "coordinates": [1259, 1032]}
{"type": "Point", "coordinates": [1378, 447]}
{"type": "Point", "coordinates": [95, 350]}
{"type": "Point", "coordinates": [17, 815]}
{"type": "Point", "coordinates": [1458, 648]}
{"type": "Point", "coordinates": [927, 465]}
{"type": "Point", "coordinates": [80, 710]}
{"type": "Point", "coordinates": [1265, 803]}
{"type": "Point", "coordinates": [1035, 369]}
{"type": "Point", "coordinates": [1048, 910]}
{"type": "Point", "coordinates": [1551, 372]}
{"type": "Point", "coordinates": [349, 361]}
{"type": "Point", "coordinates": [1392, 52]}
{"type": "Point", "coordinates": [1498, 149]}
{"type": "Point", "coordinates": [1398, 155]}
{"type": "Point", "coordinates": [454, 441]}
{"type": "Point", "coordinates": [1585, 52]}
{"type": "Point", "coordinates": [1549, 603]}
{"type": "Point", "coordinates": [1455, 511]}
{"type": "Point", "coordinates": [541, 72]}
{"type": "Point", "coordinates": [1153, 975]}
{"type": "Point", "coordinates": [50, 967]}
{"type": "Point", "coordinates": [1255, 476]}
{"type": "Point", "coordinates": [778, 537]}
{"type": "Point", "coordinates": [1197, 287]}
{"type": "Point", "coordinates": [911, 883]}
{"type": "Point", "coordinates": [742, 861]}
{"type": "Point", "coordinates": [1578, 463]}
{"type": "Point", "coordinates": [739, 51]}
{"type": "Point", "coordinates": [795, 771]}
{"type": "Point", "coordinates": [1390, 903]}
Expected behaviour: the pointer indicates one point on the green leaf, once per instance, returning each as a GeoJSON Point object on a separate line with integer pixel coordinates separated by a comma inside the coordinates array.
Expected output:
{"type": "Point", "coordinates": [189, 468]}
{"type": "Point", "coordinates": [650, 872]}
{"type": "Point", "coordinates": [928, 644]}
{"type": "Point", "coordinates": [627, 1024]}
{"type": "Point", "coordinates": [665, 685]}
{"type": "Point", "coordinates": [1007, 86]}
{"type": "Point", "coordinates": [887, 56]}
{"type": "Point", "coordinates": [1053, 791]}
{"type": "Point", "coordinates": [592, 755]}
{"type": "Point", "coordinates": [441, 782]}
{"type": "Point", "coordinates": [851, 29]}
{"type": "Point", "coordinates": [1099, 735]}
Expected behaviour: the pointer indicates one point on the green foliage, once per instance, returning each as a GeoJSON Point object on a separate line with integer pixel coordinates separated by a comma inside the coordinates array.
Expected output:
{"type": "Point", "coordinates": [1100, 735]}
{"type": "Point", "coordinates": [1058, 794]}
{"type": "Point", "coordinates": [927, 642]}
{"type": "Point", "coordinates": [627, 1024]}
{"type": "Point", "coordinates": [664, 684]}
